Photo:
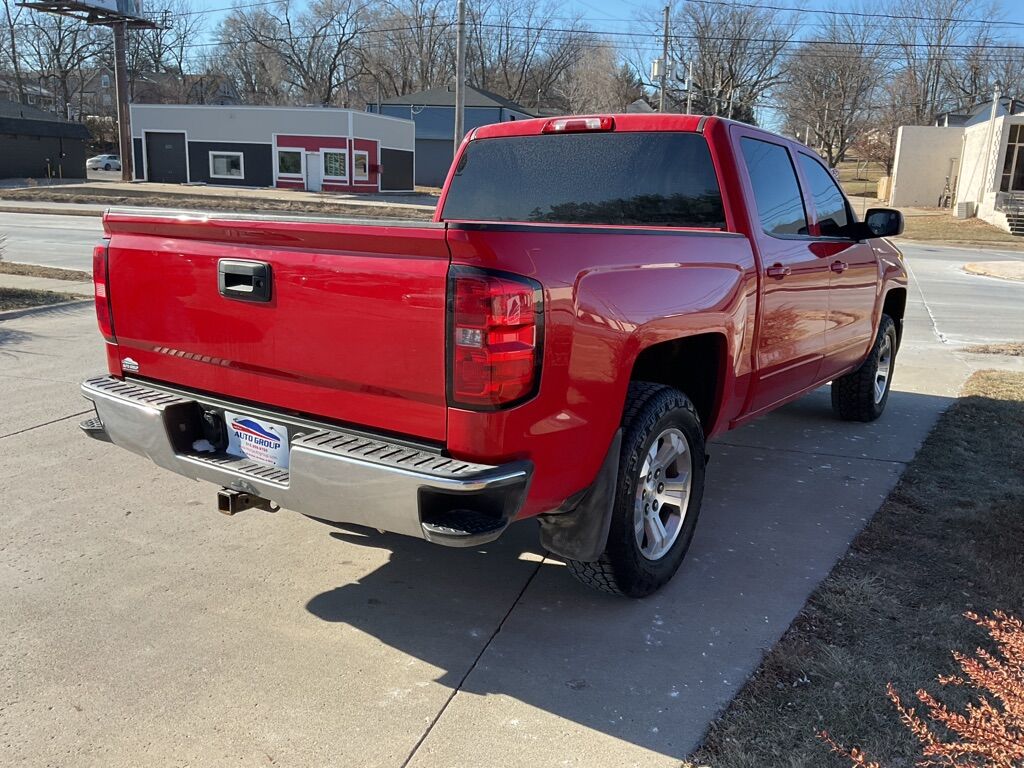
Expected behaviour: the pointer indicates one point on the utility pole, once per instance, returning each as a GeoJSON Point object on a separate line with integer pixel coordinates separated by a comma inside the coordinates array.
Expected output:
{"type": "Point", "coordinates": [664, 63]}
{"type": "Point", "coordinates": [124, 128]}
{"type": "Point", "coordinates": [460, 75]}
{"type": "Point", "coordinates": [689, 87]}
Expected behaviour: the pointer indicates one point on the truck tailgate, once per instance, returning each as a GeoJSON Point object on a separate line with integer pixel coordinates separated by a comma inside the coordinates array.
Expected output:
{"type": "Point", "coordinates": [353, 329]}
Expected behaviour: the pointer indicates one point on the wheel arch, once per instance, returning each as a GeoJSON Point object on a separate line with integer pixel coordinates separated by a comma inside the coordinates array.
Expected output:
{"type": "Point", "coordinates": [697, 365]}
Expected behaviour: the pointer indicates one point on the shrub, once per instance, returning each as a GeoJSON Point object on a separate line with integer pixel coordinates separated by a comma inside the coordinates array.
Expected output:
{"type": "Point", "coordinates": [990, 733]}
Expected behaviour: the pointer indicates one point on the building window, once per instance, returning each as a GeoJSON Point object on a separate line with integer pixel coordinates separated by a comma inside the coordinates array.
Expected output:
{"type": "Point", "coordinates": [227, 165]}
{"type": "Point", "coordinates": [289, 162]}
{"type": "Point", "coordinates": [104, 81]}
{"type": "Point", "coordinates": [106, 99]}
{"type": "Point", "coordinates": [335, 164]}
{"type": "Point", "coordinates": [1013, 165]}
{"type": "Point", "coordinates": [361, 165]}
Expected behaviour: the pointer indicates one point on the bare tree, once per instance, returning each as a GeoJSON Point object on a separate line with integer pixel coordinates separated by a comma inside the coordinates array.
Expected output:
{"type": "Point", "coordinates": [928, 41]}
{"type": "Point", "coordinates": [58, 48]}
{"type": "Point", "coordinates": [409, 47]}
{"type": "Point", "coordinates": [12, 17]}
{"type": "Point", "coordinates": [520, 48]}
{"type": "Point", "coordinates": [737, 54]}
{"type": "Point", "coordinates": [597, 82]}
{"type": "Point", "coordinates": [313, 49]}
{"type": "Point", "coordinates": [829, 85]}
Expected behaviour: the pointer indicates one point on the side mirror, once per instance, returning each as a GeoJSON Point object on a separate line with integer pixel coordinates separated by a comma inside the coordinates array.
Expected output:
{"type": "Point", "coordinates": [884, 222]}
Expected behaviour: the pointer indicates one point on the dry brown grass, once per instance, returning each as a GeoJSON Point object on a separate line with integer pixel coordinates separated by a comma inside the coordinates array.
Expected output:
{"type": "Point", "coordinates": [946, 541]}
{"type": "Point", "coordinates": [148, 199]}
{"type": "Point", "coordinates": [860, 179]}
{"type": "Point", "coordinates": [1011, 349]}
{"type": "Point", "coordinates": [20, 298]}
{"type": "Point", "coordinates": [947, 228]}
{"type": "Point", "coordinates": [52, 273]}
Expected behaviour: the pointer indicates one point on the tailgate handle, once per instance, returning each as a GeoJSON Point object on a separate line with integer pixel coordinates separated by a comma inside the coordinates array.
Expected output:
{"type": "Point", "coordinates": [243, 280]}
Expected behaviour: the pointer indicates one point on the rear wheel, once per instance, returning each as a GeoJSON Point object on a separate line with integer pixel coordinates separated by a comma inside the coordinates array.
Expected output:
{"type": "Point", "coordinates": [862, 394]}
{"type": "Point", "coordinates": [106, 167]}
{"type": "Point", "coordinates": [657, 496]}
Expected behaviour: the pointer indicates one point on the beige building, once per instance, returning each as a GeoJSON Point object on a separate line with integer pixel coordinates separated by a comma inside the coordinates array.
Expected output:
{"type": "Point", "coordinates": [978, 164]}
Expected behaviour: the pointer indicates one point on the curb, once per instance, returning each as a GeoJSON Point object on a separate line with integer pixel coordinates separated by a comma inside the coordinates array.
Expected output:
{"type": "Point", "coordinates": [337, 210]}
{"type": "Point", "coordinates": [11, 314]}
{"type": "Point", "coordinates": [48, 211]}
{"type": "Point", "coordinates": [995, 245]}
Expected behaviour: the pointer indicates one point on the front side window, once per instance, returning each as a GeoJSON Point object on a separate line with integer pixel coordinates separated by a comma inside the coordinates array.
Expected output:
{"type": "Point", "coordinates": [289, 162]}
{"type": "Point", "coordinates": [829, 203]}
{"type": "Point", "coordinates": [780, 206]}
{"type": "Point", "coordinates": [658, 179]}
{"type": "Point", "coordinates": [335, 164]}
{"type": "Point", "coordinates": [227, 165]}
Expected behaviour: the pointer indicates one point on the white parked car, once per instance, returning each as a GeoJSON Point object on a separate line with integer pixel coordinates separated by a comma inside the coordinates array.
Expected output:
{"type": "Point", "coordinates": [104, 162]}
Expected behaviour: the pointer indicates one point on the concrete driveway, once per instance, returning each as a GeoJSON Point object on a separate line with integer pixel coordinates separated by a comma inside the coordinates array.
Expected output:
{"type": "Point", "coordinates": [140, 627]}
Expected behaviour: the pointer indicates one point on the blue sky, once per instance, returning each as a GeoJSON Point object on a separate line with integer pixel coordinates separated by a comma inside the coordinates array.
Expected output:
{"type": "Point", "coordinates": [623, 18]}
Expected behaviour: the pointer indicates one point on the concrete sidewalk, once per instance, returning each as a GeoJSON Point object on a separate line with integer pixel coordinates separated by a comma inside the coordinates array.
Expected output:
{"type": "Point", "coordinates": [143, 628]}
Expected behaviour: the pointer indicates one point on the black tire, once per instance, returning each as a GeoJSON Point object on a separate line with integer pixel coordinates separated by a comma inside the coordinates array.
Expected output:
{"type": "Point", "coordinates": [854, 396]}
{"type": "Point", "coordinates": [623, 569]}
{"type": "Point", "coordinates": [106, 167]}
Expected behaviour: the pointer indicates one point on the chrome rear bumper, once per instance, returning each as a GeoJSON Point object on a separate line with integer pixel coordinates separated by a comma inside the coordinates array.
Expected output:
{"type": "Point", "coordinates": [334, 474]}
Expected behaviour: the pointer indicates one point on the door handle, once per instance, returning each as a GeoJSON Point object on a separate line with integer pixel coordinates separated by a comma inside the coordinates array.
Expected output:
{"type": "Point", "coordinates": [777, 271]}
{"type": "Point", "coordinates": [244, 280]}
{"type": "Point", "coordinates": [839, 266]}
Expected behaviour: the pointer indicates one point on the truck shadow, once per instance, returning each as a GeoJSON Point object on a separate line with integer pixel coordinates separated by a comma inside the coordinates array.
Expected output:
{"type": "Point", "coordinates": [514, 633]}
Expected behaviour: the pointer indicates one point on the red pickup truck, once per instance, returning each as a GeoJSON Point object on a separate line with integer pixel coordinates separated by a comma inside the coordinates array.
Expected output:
{"type": "Point", "coordinates": [594, 299]}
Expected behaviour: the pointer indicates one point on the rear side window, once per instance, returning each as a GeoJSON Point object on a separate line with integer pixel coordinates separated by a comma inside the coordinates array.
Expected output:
{"type": "Point", "coordinates": [780, 206]}
{"type": "Point", "coordinates": [652, 179]}
{"type": "Point", "coordinates": [829, 202]}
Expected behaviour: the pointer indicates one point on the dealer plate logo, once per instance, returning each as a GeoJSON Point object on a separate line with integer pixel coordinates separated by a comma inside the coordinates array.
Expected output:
{"type": "Point", "coordinates": [256, 439]}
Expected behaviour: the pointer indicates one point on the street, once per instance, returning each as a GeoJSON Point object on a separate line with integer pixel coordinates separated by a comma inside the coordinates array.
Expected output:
{"type": "Point", "coordinates": [56, 241]}
{"type": "Point", "coordinates": [143, 628]}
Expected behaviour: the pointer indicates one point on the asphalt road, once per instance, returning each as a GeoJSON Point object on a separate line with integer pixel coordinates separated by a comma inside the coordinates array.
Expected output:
{"type": "Point", "coordinates": [140, 627]}
{"type": "Point", "coordinates": [56, 241]}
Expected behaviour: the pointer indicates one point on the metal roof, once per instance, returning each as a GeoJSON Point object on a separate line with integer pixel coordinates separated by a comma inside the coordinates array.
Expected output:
{"type": "Point", "coordinates": [444, 96]}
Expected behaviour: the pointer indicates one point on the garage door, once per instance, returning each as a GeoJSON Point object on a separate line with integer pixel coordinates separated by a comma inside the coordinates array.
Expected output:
{"type": "Point", "coordinates": [166, 160]}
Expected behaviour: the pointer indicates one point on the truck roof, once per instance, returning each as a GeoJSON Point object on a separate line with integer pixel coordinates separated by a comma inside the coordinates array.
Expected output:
{"type": "Point", "coordinates": [636, 122]}
{"type": "Point", "coordinates": [623, 122]}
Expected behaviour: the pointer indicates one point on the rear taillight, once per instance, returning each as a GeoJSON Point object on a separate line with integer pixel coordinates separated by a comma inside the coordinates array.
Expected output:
{"type": "Point", "coordinates": [495, 324]}
{"type": "Point", "coordinates": [102, 292]}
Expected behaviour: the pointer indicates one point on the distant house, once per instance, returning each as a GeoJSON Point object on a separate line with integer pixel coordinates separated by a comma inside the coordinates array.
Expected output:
{"type": "Point", "coordinates": [433, 111]}
{"type": "Point", "coordinates": [35, 94]}
{"type": "Point", "coordinates": [37, 144]}
{"type": "Point", "coordinates": [979, 113]}
{"type": "Point", "coordinates": [977, 161]}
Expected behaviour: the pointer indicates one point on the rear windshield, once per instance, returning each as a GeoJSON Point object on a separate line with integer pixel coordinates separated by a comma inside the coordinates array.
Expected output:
{"type": "Point", "coordinates": [652, 179]}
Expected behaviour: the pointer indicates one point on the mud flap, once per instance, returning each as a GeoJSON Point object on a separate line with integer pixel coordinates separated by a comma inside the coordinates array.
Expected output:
{"type": "Point", "coordinates": [581, 532]}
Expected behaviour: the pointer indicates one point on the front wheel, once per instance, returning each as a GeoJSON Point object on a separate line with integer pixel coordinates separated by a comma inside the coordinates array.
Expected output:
{"type": "Point", "coordinates": [657, 495]}
{"type": "Point", "coordinates": [861, 395]}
